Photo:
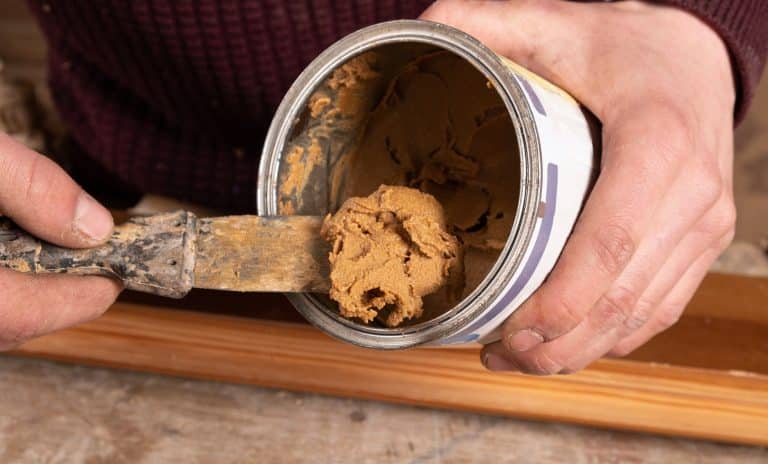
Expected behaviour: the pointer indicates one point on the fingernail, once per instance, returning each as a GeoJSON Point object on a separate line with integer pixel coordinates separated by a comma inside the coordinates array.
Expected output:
{"type": "Point", "coordinates": [523, 340]}
{"type": "Point", "coordinates": [496, 363]}
{"type": "Point", "coordinates": [91, 219]}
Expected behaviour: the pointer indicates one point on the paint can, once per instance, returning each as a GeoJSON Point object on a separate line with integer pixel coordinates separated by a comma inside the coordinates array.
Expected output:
{"type": "Point", "coordinates": [557, 148]}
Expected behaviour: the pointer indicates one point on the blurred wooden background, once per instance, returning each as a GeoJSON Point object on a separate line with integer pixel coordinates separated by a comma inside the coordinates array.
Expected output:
{"type": "Point", "coordinates": [751, 172]}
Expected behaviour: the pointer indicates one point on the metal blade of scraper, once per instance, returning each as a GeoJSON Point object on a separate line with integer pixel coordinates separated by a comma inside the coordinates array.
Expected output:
{"type": "Point", "coordinates": [168, 254]}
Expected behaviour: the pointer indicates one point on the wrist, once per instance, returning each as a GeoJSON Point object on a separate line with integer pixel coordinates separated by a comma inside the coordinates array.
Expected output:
{"type": "Point", "coordinates": [710, 38]}
{"type": "Point", "coordinates": [699, 50]}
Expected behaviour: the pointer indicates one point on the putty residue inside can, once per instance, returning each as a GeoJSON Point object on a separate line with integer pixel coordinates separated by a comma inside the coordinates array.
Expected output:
{"type": "Point", "coordinates": [410, 114]}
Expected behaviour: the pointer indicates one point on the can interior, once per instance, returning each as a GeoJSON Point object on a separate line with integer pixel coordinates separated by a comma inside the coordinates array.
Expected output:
{"type": "Point", "coordinates": [408, 114]}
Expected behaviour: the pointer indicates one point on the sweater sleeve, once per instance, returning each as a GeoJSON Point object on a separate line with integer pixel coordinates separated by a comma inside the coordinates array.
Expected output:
{"type": "Point", "coordinates": [743, 26]}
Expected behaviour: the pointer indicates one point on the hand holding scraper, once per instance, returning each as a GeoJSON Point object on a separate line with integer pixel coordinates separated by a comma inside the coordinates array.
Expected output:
{"type": "Point", "coordinates": [169, 254]}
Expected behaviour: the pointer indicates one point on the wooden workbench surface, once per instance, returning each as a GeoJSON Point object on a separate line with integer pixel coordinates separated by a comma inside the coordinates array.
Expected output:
{"type": "Point", "coordinates": [55, 413]}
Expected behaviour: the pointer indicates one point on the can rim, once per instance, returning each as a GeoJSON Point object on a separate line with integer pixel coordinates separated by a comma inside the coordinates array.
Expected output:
{"type": "Point", "coordinates": [508, 261]}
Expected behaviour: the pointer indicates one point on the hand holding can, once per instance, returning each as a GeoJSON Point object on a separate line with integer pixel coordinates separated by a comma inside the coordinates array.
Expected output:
{"type": "Point", "coordinates": [661, 210]}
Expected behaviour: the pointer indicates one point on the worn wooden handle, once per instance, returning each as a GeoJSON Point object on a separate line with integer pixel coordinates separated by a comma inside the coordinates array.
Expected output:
{"type": "Point", "coordinates": [152, 254]}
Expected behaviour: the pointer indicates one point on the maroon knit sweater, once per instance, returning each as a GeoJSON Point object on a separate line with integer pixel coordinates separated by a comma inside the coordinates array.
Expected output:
{"type": "Point", "coordinates": [174, 97]}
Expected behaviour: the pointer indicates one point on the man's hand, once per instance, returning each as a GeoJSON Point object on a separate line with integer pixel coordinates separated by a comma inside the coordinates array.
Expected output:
{"type": "Point", "coordinates": [40, 197]}
{"type": "Point", "coordinates": [662, 209]}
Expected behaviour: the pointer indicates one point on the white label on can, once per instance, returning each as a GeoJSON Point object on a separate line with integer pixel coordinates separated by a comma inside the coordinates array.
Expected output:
{"type": "Point", "coordinates": [568, 161]}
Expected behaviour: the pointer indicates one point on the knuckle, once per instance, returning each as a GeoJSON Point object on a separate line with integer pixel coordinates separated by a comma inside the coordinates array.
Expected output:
{"type": "Point", "coordinates": [721, 221]}
{"type": "Point", "coordinates": [615, 307]}
{"type": "Point", "coordinates": [728, 218]}
{"type": "Point", "coordinates": [614, 246]}
{"type": "Point", "coordinates": [725, 240]}
{"type": "Point", "coordinates": [562, 311]}
{"type": "Point", "coordinates": [709, 186]}
{"type": "Point", "coordinates": [639, 315]}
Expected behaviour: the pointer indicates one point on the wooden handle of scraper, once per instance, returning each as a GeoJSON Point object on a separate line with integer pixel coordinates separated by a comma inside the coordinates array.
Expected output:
{"type": "Point", "coordinates": [168, 254]}
{"type": "Point", "coordinates": [152, 254]}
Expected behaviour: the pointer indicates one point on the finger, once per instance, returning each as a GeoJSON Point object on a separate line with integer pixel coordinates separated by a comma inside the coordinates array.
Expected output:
{"type": "Point", "coordinates": [546, 359]}
{"type": "Point", "coordinates": [639, 167]}
{"type": "Point", "coordinates": [496, 357]}
{"type": "Point", "coordinates": [670, 309]}
{"type": "Point", "coordinates": [593, 338]}
{"type": "Point", "coordinates": [622, 303]}
{"type": "Point", "coordinates": [669, 301]}
{"type": "Point", "coordinates": [39, 196]}
{"type": "Point", "coordinates": [36, 305]}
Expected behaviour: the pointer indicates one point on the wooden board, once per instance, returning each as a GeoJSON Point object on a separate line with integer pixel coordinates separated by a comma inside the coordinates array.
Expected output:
{"type": "Point", "coordinates": [725, 326]}
{"type": "Point", "coordinates": [728, 405]}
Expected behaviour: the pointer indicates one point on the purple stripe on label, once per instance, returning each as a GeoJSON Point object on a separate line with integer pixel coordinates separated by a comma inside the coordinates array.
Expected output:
{"type": "Point", "coordinates": [545, 230]}
{"type": "Point", "coordinates": [532, 95]}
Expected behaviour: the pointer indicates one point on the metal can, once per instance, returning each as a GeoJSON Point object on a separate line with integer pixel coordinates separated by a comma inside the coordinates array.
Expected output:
{"type": "Point", "coordinates": [557, 154]}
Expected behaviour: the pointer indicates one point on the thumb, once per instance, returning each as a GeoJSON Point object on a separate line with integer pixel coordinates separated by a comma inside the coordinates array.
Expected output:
{"type": "Point", "coordinates": [41, 198]}
{"type": "Point", "coordinates": [536, 34]}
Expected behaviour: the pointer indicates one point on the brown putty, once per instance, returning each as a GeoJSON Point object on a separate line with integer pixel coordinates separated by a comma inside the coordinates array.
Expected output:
{"type": "Point", "coordinates": [390, 249]}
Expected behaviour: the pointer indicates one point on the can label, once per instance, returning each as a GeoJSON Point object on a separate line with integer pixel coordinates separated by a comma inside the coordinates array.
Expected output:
{"type": "Point", "coordinates": [567, 167]}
